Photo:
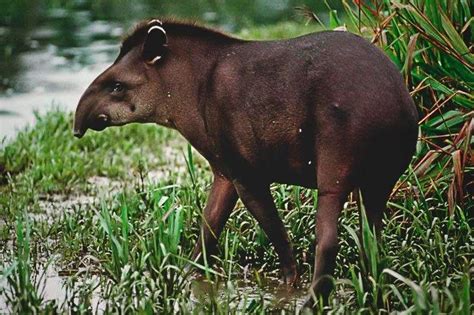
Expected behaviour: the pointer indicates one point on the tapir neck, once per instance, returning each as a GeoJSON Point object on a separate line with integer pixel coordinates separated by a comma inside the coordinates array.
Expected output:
{"type": "Point", "coordinates": [192, 70]}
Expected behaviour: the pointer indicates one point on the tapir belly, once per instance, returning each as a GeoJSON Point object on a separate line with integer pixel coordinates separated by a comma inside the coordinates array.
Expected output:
{"type": "Point", "coordinates": [300, 176]}
{"type": "Point", "coordinates": [290, 162]}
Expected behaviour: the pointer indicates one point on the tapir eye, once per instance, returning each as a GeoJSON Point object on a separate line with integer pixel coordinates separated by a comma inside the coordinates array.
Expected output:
{"type": "Point", "coordinates": [117, 87]}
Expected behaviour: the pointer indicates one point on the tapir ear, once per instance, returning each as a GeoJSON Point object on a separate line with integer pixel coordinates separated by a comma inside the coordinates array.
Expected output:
{"type": "Point", "coordinates": [155, 42]}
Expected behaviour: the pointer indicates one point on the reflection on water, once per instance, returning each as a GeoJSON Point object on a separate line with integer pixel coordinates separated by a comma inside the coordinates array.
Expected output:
{"type": "Point", "coordinates": [50, 50]}
{"type": "Point", "coordinates": [275, 294]}
{"type": "Point", "coordinates": [241, 296]}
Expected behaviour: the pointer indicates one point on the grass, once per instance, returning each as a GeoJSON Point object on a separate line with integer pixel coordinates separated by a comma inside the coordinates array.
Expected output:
{"type": "Point", "coordinates": [126, 248]}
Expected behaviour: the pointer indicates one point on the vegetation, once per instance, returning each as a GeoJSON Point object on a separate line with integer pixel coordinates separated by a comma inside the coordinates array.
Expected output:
{"type": "Point", "coordinates": [116, 214]}
{"type": "Point", "coordinates": [432, 44]}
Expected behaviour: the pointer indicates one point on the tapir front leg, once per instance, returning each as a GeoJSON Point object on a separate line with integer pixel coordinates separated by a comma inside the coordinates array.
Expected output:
{"type": "Point", "coordinates": [220, 203]}
{"type": "Point", "coordinates": [258, 200]}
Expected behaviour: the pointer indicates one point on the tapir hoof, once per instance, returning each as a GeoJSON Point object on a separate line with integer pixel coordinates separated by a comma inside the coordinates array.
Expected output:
{"type": "Point", "coordinates": [310, 305]}
{"type": "Point", "coordinates": [318, 295]}
{"type": "Point", "coordinates": [290, 276]}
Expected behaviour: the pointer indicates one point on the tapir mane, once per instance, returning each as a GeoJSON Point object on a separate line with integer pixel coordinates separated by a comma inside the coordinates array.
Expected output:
{"type": "Point", "coordinates": [173, 27]}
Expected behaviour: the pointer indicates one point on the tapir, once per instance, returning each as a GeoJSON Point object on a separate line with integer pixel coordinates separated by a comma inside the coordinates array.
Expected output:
{"type": "Point", "coordinates": [327, 111]}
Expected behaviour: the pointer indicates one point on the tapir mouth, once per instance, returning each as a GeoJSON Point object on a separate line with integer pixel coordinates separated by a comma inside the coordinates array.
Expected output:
{"type": "Point", "coordinates": [79, 133]}
{"type": "Point", "coordinates": [101, 122]}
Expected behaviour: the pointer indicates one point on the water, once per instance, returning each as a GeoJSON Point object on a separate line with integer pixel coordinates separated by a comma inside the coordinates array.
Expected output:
{"type": "Point", "coordinates": [49, 53]}
{"type": "Point", "coordinates": [277, 295]}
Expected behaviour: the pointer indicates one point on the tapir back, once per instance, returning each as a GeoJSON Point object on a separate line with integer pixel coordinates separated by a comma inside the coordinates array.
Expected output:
{"type": "Point", "coordinates": [286, 96]}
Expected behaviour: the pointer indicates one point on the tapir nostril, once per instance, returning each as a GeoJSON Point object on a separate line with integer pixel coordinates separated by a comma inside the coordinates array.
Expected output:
{"type": "Point", "coordinates": [78, 133]}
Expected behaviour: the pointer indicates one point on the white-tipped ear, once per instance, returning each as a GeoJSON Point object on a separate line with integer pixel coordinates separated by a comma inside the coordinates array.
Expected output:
{"type": "Point", "coordinates": [155, 21]}
{"type": "Point", "coordinates": [155, 42]}
{"type": "Point", "coordinates": [156, 27]}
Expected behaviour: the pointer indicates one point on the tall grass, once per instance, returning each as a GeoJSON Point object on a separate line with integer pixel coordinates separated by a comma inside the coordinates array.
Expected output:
{"type": "Point", "coordinates": [138, 240]}
{"type": "Point", "coordinates": [129, 248]}
{"type": "Point", "coordinates": [23, 287]}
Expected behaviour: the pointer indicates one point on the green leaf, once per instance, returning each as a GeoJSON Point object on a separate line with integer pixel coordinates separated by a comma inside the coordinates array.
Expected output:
{"type": "Point", "coordinates": [456, 40]}
{"type": "Point", "coordinates": [334, 19]}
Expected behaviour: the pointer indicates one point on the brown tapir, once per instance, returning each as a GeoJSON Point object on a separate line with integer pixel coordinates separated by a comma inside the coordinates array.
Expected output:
{"type": "Point", "coordinates": [326, 110]}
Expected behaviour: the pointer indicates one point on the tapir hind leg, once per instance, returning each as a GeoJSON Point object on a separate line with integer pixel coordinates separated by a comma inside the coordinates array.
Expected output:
{"type": "Point", "coordinates": [381, 174]}
{"type": "Point", "coordinates": [334, 181]}
{"type": "Point", "coordinates": [375, 197]}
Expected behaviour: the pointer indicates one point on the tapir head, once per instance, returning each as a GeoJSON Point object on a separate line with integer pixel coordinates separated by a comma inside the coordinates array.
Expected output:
{"type": "Point", "coordinates": [129, 90]}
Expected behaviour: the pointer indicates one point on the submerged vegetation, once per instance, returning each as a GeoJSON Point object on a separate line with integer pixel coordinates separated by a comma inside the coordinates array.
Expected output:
{"type": "Point", "coordinates": [116, 214]}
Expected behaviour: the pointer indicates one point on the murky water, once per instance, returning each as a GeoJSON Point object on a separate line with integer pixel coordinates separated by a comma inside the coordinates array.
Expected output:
{"type": "Point", "coordinates": [272, 292]}
{"type": "Point", "coordinates": [54, 287]}
{"type": "Point", "coordinates": [50, 53]}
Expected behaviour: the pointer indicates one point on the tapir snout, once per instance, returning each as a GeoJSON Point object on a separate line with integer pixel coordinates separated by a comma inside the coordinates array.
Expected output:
{"type": "Point", "coordinates": [89, 119]}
